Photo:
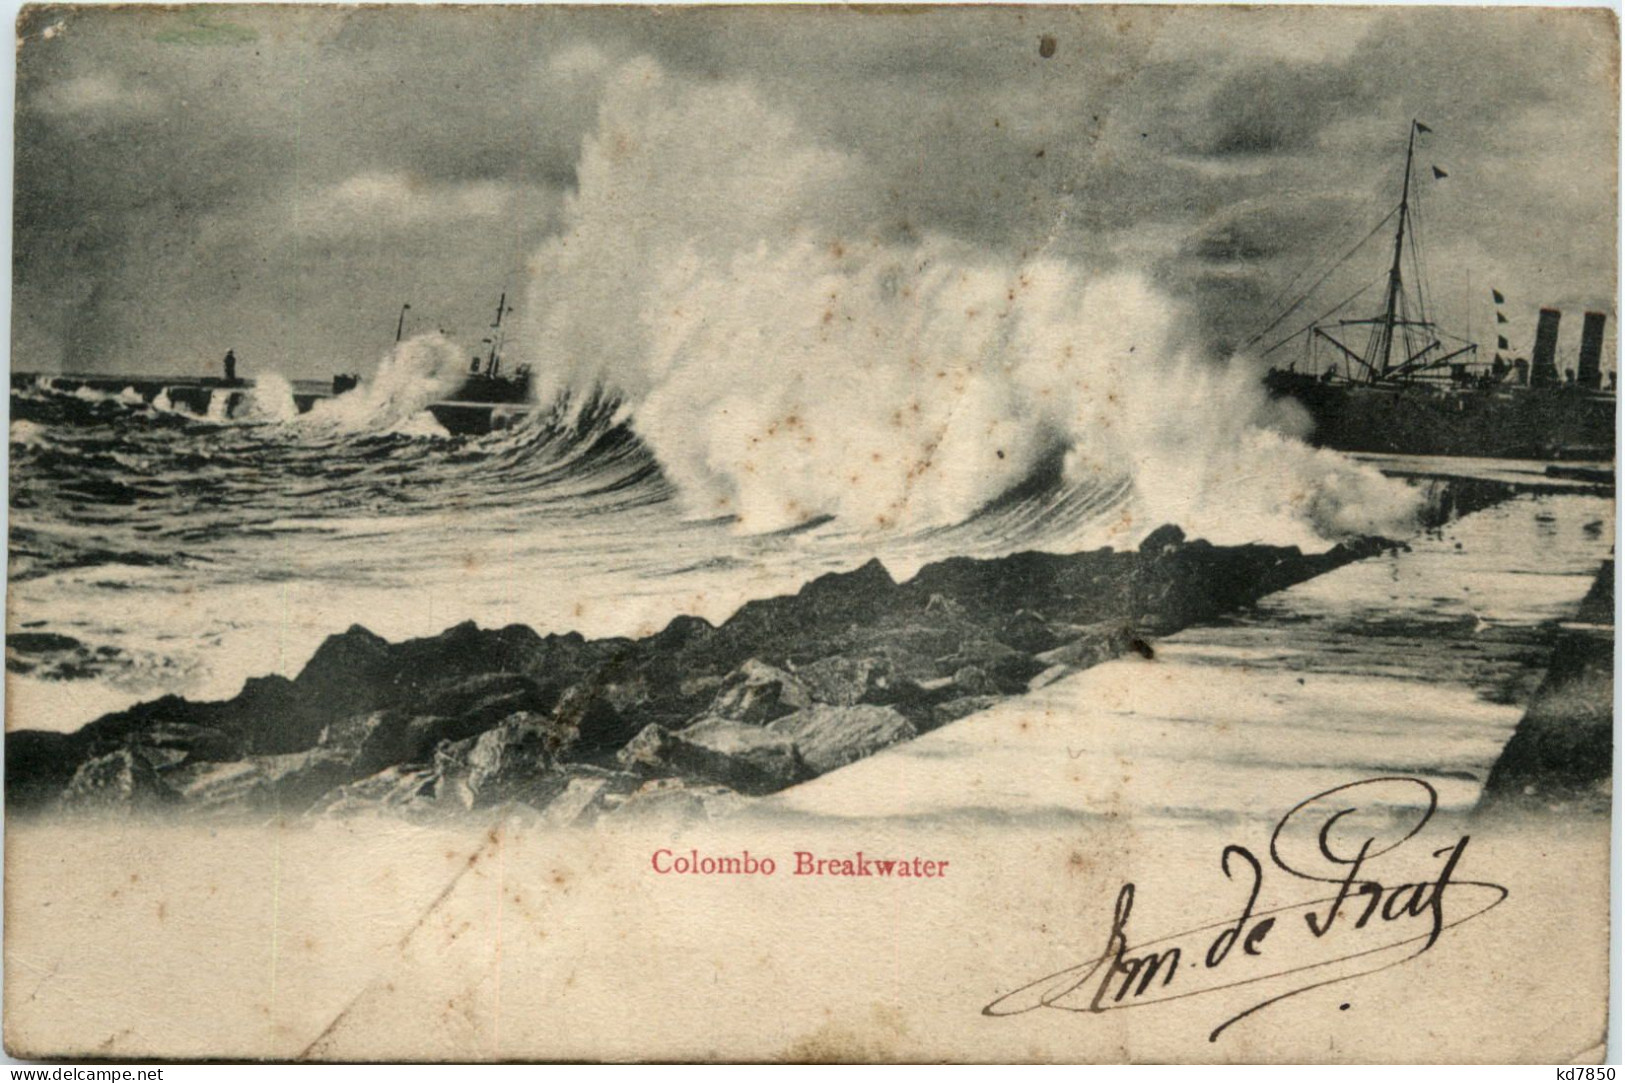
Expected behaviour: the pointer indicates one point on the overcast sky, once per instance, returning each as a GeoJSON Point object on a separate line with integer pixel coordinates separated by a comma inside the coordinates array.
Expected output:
{"type": "Point", "coordinates": [279, 181]}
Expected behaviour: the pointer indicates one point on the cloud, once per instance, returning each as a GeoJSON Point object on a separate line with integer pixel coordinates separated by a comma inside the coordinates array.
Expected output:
{"type": "Point", "coordinates": [97, 97]}
{"type": "Point", "coordinates": [361, 153]}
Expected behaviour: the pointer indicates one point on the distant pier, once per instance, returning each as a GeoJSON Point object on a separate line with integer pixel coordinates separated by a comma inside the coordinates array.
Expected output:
{"type": "Point", "coordinates": [198, 394]}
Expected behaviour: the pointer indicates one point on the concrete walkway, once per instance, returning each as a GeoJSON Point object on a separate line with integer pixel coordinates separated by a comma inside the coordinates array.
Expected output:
{"type": "Point", "coordinates": [1419, 662]}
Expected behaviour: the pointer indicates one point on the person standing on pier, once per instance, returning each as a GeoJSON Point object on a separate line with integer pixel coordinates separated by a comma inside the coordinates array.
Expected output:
{"type": "Point", "coordinates": [231, 366]}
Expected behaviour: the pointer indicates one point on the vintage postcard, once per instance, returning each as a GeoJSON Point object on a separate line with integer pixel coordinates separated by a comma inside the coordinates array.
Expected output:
{"type": "Point", "coordinates": [1055, 533]}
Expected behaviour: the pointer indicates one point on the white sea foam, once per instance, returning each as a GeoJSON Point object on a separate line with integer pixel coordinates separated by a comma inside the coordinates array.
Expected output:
{"type": "Point", "coordinates": [219, 405]}
{"type": "Point", "coordinates": [270, 399]}
{"type": "Point", "coordinates": [163, 404]}
{"type": "Point", "coordinates": [28, 434]}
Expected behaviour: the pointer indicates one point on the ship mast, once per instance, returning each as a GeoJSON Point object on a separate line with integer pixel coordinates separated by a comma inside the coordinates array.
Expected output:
{"type": "Point", "coordinates": [1390, 311]}
{"type": "Point", "coordinates": [1421, 356]}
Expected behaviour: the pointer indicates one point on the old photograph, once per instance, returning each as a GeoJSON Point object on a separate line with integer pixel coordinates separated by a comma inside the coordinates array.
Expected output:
{"type": "Point", "coordinates": [1062, 533]}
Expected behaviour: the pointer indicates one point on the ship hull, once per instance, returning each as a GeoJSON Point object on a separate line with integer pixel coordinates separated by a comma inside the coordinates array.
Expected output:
{"type": "Point", "coordinates": [492, 390]}
{"type": "Point", "coordinates": [1500, 422]}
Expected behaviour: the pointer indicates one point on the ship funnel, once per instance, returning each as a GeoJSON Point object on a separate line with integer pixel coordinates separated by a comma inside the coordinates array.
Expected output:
{"type": "Point", "coordinates": [1544, 370]}
{"type": "Point", "coordinates": [1591, 350]}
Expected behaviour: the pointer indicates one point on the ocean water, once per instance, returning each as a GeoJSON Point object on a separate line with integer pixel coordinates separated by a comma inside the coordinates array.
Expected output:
{"type": "Point", "coordinates": [154, 551]}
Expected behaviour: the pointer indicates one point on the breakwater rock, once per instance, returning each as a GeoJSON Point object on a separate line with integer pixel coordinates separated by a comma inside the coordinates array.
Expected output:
{"type": "Point", "coordinates": [691, 719]}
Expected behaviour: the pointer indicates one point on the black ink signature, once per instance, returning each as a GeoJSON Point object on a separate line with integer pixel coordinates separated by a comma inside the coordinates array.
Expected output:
{"type": "Point", "coordinates": [1364, 927]}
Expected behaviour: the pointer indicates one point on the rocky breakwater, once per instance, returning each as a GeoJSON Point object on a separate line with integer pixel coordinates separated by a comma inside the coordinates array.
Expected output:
{"type": "Point", "coordinates": [692, 719]}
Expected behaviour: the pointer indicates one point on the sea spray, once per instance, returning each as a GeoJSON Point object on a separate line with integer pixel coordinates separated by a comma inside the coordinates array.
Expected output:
{"type": "Point", "coordinates": [788, 358]}
{"type": "Point", "coordinates": [414, 373]}
{"type": "Point", "coordinates": [270, 400]}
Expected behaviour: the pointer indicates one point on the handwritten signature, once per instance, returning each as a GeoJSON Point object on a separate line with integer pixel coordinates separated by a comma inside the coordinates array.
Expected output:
{"type": "Point", "coordinates": [1337, 837]}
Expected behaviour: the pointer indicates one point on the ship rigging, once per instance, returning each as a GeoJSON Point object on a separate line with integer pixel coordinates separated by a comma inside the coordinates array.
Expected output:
{"type": "Point", "coordinates": [1403, 343]}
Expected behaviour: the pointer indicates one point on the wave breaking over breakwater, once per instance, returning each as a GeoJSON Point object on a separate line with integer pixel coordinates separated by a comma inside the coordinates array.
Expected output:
{"type": "Point", "coordinates": [745, 378]}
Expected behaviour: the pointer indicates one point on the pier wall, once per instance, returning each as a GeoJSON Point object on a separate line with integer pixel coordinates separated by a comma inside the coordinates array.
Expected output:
{"type": "Point", "coordinates": [199, 395]}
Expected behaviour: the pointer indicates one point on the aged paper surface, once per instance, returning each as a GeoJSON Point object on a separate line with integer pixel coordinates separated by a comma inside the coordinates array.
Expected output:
{"type": "Point", "coordinates": [1020, 534]}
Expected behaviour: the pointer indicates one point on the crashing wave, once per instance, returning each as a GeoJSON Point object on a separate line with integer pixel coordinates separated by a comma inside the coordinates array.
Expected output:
{"type": "Point", "coordinates": [787, 364]}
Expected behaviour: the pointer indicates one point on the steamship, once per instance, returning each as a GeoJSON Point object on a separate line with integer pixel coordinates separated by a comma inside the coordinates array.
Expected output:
{"type": "Point", "coordinates": [1397, 382]}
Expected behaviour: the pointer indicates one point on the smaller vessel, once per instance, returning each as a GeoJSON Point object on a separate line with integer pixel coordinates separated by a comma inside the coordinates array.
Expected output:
{"type": "Point", "coordinates": [487, 398]}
